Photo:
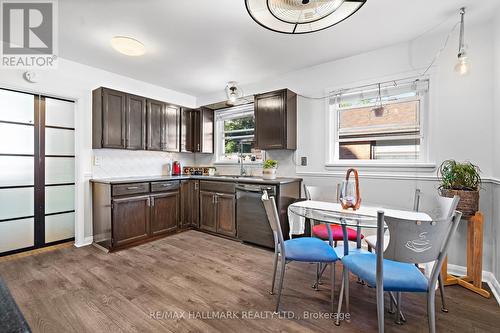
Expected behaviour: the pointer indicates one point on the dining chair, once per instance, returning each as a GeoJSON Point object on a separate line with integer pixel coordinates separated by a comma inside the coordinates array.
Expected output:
{"type": "Point", "coordinates": [328, 232]}
{"type": "Point", "coordinates": [439, 208]}
{"type": "Point", "coordinates": [304, 249]}
{"type": "Point", "coordinates": [394, 269]}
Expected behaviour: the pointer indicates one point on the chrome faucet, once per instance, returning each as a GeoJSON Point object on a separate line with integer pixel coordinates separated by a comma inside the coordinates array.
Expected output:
{"type": "Point", "coordinates": [243, 172]}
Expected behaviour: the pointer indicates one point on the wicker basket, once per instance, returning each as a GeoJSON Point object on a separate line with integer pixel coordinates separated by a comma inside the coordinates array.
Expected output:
{"type": "Point", "coordinates": [469, 200]}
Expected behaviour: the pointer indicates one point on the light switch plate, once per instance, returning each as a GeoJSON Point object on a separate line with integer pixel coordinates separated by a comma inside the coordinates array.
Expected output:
{"type": "Point", "coordinates": [97, 160]}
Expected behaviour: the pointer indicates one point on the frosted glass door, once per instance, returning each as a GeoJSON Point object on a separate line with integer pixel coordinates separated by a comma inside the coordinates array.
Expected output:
{"type": "Point", "coordinates": [37, 171]}
{"type": "Point", "coordinates": [17, 184]}
{"type": "Point", "coordinates": [59, 170]}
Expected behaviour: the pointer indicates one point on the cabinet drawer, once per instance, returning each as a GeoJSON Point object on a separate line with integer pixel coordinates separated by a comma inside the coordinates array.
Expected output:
{"type": "Point", "coordinates": [126, 189]}
{"type": "Point", "coordinates": [164, 186]}
{"type": "Point", "coordinates": [211, 186]}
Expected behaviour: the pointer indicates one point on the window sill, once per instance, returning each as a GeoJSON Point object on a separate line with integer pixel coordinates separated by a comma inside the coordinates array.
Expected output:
{"type": "Point", "coordinates": [235, 163]}
{"type": "Point", "coordinates": [429, 166]}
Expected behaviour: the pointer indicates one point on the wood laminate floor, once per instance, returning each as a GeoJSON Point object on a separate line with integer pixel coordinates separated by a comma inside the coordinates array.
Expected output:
{"type": "Point", "coordinates": [183, 282]}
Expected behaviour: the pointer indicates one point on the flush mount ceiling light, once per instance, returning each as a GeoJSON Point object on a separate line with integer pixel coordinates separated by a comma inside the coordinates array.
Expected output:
{"type": "Point", "coordinates": [301, 16]}
{"type": "Point", "coordinates": [128, 46]}
{"type": "Point", "coordinates": [233, 92]}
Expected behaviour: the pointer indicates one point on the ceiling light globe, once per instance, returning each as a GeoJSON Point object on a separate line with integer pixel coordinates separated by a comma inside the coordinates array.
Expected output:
{"type": "Point", "coordinates": [463, 66]}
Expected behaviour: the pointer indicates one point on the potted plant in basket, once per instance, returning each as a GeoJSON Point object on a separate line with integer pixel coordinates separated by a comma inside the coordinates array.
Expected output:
{"type": "Point", "coordinates": [269, 169]}
{"type": "Point", "coordinates": [461, 179]}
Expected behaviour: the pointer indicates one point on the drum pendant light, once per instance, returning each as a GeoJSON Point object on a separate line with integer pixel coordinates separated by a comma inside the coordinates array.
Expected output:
{"type": "Point", "coordinates": [301, 16]}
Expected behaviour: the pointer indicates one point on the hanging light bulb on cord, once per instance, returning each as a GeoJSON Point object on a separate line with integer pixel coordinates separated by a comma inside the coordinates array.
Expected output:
{"type": "Point", "coordinates": [463, 65]}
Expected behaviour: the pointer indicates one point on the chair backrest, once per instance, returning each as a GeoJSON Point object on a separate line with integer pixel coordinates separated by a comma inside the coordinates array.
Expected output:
{"type": "Point", "coordinates": [322, 193]}
{"type": "Point", "coordinates": [436, 206]}
{"type": "Point", "coordinates": [417, 241]}
{"type": "Point", "coordinates": [274, 221]}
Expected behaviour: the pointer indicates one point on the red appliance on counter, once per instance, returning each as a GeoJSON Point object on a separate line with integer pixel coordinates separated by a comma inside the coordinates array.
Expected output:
{"type": "Point", "coordinates": [176, 168]}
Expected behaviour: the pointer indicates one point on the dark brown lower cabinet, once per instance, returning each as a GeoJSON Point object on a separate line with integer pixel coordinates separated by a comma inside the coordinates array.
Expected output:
{"type": "Point", "coordinates": [217, 213]}
{"type": "Point", "coordinates": [164, 212]}
{"type": "Point", "coordinates": [190, 203]}
{"type": "Point", "coordinates": [226, 217]}
{"type": "Point", "coordinates": [208, 211]}
{"type": "Point", "coordinates": [130, 219]}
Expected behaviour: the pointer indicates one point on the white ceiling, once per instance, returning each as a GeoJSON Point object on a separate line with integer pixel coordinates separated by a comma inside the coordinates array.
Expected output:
{"type": "Point", "coordinates": [196, 46]}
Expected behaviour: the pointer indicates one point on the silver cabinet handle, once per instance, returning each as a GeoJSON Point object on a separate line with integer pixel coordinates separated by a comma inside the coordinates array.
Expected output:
{"type": "Point", "coordinates": [152, 201]}
{"type": "Point", "coordinates": [166, 185]}
{"type": "Point", "coordinates": [132, 187]}
{"type": "Point", "coordinates": [149, 202]}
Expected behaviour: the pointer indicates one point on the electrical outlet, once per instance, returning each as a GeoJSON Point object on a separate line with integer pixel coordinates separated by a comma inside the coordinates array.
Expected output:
{"type": "Point", "coordinates": [97, 160]}
{"type": "Point", "coordinates": [303, 161]}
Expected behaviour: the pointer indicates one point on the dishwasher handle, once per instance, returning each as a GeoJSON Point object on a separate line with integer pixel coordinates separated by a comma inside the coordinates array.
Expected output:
{"type": "Point", "coordinates": [255, 189]}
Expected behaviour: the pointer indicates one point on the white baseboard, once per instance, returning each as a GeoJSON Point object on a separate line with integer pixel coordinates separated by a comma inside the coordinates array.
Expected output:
{"type": "Point", "coordinates": [86, 241]}
{"type": "Point", "coordinates": [488, 277]}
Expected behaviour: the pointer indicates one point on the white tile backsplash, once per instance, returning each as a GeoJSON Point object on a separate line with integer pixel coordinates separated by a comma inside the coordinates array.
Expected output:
{"type": "Point", "coordinates": [131, 163]}
{"type": "Point", "coordinates": [285, 158]}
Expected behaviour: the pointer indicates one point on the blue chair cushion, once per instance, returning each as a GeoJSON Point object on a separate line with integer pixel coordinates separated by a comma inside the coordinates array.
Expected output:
{"type": "Point", "coordinates": [352, 250]}
{"type": "Point", "coordinates": [309, 249]}
{"type": "Point", "coordinates": [398, 276]}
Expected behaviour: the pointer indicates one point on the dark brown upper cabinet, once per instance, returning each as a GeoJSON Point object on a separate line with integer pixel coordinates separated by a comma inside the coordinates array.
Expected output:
{"type": "Point", "coordinates": [172, 128]}
{"type": "Point", "coordinates": [136, 122]}
{"type": "Point", "coordinates": [276, 120]}
{"type": "Point", "coordinates": [109, 118]}
{"type": "Point", "coordinates": [156, 119]}
{"type": "Point", "coordinates": [126, 121]}
{"type": "Point", "coordinates": [197, 130]}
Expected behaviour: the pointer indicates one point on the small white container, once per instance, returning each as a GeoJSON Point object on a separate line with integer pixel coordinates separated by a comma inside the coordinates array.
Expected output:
{"type": "Point", "coordinates": [269, 173]}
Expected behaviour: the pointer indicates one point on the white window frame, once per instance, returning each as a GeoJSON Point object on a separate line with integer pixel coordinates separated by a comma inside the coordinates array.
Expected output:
{"type": "Point", "coordinates": [219, 133]}
{"type": "Point", "coordinates": [332, 160]}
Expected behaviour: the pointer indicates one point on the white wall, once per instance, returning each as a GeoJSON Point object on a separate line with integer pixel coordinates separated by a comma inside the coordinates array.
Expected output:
{"type": "Point", "coordinates": [460, 119]}
{"type": "Point", "coordinates": [76, 81]}
{"type": "Point", "coordinates": [496, 145]}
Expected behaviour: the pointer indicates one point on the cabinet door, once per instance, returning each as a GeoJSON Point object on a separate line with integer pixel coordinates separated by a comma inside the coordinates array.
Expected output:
{"type": "Point", "coordinates": [130, 219]}
{"type": "Point", "coordinates": [113, 118]}
{"type": "Point", "coordinates": [208, 211]}
{"type": "Point", "coordinates": [164, 212]}
{"type": "Point", "coordinates": [186, 131]}
{"type": "Point", "coordinates": [172, 126]}
{"type": "Point", "coordinates": [156, 118]}
{"type": "Point", "coordinates": [195, 130]}
{"type": "Point", "coordinates": [207, 131]}
{"type": "Point", "coordinates": [190, 202]}
{"type": "Point", "coordinates": [136, 122]}
{"type": "Point", "coordinates": [270, 120]}
{"type": "Point", "coordinates": [226, 220]}
{"type": "Point", "coordinates": [186, 200]}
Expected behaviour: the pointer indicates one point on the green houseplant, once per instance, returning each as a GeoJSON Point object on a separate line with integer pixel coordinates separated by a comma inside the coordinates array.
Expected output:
{"type": "Point", "coordinates": [269, 169]}
{"type": "Point", "coordinates": [462, 179]}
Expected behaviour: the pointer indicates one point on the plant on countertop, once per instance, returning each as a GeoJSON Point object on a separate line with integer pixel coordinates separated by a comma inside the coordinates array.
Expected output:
{"type": "Point", "coordinates": [270, 164]}
{"type": "Point", "coordinates": [462, 179]}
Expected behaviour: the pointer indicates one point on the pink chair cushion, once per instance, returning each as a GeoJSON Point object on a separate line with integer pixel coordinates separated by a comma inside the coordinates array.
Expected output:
{"type": "Point", "coordinates": [320, 231]}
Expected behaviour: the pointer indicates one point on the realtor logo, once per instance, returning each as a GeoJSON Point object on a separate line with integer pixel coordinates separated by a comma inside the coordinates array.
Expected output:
{"type": "Point", "coordinates": [28, 33]}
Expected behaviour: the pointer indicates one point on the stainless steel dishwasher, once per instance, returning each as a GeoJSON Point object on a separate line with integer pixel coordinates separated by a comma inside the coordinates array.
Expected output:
{"type": "Point", "coordinates": [253, 226]}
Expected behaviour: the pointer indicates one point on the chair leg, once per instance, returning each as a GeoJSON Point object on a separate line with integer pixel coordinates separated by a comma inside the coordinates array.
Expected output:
{"type": "Point", "coordinates": [346, 281]}
{"type": "Point", "coordinates": [370, 248]}
{"type": "Point", "coordinates": [398, 311]}
{"type": "Point", "coordinates": [441, 291]}
{"type": "Point", "coordinates": [316, 282]}
{"type": "Point", "coordinates": [339, 307]}
{"type": "Point", "coordinates": [275, 267]}
{"type": "Point", "coordinates": [431, 312]}
{"type": "Point", "coordinates": [280, 285]}
{"type": "Point", "coordinates": [391, 303]}
{"type": "Point", "coordinates": [332, 281]}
